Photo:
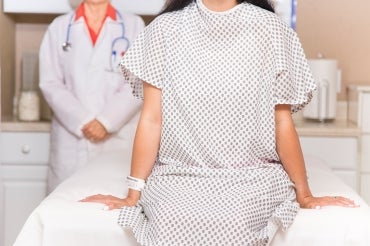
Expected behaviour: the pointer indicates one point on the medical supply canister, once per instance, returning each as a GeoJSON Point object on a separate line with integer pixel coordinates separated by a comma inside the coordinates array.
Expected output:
{"type": "Point", "coordinates": [324, 102]}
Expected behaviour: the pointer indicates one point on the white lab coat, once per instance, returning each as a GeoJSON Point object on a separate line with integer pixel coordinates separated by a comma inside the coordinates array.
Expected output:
{"type": "Point", "coordinates": [80, 85]}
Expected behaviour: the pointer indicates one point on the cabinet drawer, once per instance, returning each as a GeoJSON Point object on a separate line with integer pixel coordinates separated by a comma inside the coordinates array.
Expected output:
{"type": "Point", "coordinates": [143, 7]}
{"type": "Point", "coordinates": [337, 152]}
{"type": "Point", "coordinates": [348, 177]}
{"type": "Point", "coordinates": [365, 116]}
{"type": "Point", "coordinates": [35, 6]}
{"type": "Point", "coordinates": [24, 148]}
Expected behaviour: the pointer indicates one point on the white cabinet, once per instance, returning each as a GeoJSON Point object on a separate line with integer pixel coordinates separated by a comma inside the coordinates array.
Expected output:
{"type": "Point", "coordinates": [340, 153]}
{"type": "Point", "coordinates": [23, 173]}
{"type": "Point", "coordinates": [359, 113]}
{"type": "Point", "coordinates": [359, 106]}
{"type": "Point", "coordinates": [365, 184]}
{"type": "Point", "coordinates": [143, 7]}
{"type": "Point", "coordinates": [365, 164]}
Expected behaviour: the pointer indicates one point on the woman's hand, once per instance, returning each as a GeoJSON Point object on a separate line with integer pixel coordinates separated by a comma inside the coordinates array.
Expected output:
{"type": "Point", "coordinates": [113, 202]}
{"type": "Point", "coordinates": [318, 202]}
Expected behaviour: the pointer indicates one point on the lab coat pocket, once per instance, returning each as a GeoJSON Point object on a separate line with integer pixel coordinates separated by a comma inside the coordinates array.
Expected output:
{"type": "Point", "coordinates": [114, 81]}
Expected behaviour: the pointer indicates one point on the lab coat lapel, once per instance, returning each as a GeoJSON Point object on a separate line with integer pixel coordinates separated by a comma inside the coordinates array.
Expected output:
{"type": "Point", "coordinates": [102, 46]}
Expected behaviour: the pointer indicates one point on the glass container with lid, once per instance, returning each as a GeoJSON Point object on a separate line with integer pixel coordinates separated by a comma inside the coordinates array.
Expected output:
{"type": "Point", "coordinates": [29, 98]}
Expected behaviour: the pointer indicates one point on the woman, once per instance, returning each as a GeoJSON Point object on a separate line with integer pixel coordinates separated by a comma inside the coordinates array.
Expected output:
{"type": "Point", "coordinates": [216, 157]}
{"type": "Point", "coordinates": [94, 110]}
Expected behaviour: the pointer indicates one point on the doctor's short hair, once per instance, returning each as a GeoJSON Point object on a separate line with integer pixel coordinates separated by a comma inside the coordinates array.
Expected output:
{"type": "Point", "coordinates": [75, 3]}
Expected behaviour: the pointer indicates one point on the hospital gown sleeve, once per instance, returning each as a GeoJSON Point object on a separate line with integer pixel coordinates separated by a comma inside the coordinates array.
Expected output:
{"type": "Point", "coordinates": [145, 59]}
{"type": "Point", "coordinates": [294, 83]}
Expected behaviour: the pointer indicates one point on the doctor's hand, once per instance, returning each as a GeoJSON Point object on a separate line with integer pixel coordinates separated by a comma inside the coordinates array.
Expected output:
{"type": "Point", "coordinates": [94, 131]}
{"type": "Point", "coordinates": [319, 202]}
{"type": "Point", "coordinates": [112, 202]}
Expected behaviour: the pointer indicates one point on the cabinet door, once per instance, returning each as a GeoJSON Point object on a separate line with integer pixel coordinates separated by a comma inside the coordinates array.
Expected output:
{"type": "Point", "coordinates": [143, 7]}
{"type": "Point", "coordinates": [365, 167]}
{"type": "Point", "coordinates": [340, 153]}
{"type": "Point", "coordinates": [22, 189]}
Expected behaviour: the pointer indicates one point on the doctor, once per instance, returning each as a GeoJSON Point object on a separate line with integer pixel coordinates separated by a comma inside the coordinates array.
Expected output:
{"type": "Point", "coordinates": [94, 110]}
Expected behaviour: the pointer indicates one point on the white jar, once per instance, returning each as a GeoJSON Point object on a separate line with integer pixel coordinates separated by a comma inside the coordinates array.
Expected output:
{"type": "Point", "coordinates": [29, 106]}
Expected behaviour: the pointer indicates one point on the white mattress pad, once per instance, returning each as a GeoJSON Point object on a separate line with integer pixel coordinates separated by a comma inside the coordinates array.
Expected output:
{"type": "Point", "coordinates": [61, 220]}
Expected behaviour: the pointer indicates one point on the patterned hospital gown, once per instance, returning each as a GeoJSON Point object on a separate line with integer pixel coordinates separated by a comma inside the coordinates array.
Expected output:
{"type": "Point", "coordinates": [217, 179]}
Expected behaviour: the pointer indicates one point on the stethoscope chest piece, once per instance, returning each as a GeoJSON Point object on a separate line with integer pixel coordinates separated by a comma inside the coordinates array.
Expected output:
{"type": "Point", "coordinates": [66, 46]}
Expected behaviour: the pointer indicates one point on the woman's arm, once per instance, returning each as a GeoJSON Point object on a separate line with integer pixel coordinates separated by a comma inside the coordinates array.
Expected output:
{"type": "Point", "coordinates": [146, 146]}
{"type": "Point", "coordinates": [147, 138]}
{"type": "Point", "coordinates": [290, 153]}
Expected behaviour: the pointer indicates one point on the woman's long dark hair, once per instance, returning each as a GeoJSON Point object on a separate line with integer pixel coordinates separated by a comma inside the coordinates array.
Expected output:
{"type": "Point", "coordinates": [173, 5]}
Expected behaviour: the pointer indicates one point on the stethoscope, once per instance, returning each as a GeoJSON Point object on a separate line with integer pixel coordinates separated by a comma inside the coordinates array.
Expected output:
{"type": "Point", "coordinates": [67, 45]}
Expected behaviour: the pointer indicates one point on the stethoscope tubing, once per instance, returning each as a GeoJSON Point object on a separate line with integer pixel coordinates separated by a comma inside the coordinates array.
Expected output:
{"type": "Point", "coordinates": [123, 37]}
{"type": "Point", "coordinates": [67, 43]}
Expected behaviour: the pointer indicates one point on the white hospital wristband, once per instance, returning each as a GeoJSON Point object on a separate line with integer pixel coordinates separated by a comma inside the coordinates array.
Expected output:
{"type": "Point", "coordinates": [135, 183]}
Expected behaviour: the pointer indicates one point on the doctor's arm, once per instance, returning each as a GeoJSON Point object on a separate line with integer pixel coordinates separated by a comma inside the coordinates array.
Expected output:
{"type": "Point", "coordinates": [120, 108]}
{"type": "Point", "coordinates": [66, 108]}
{"type": "Point", "coordinates": [290, 153]}
{"type": "Point", "coordinates": [146, 147]}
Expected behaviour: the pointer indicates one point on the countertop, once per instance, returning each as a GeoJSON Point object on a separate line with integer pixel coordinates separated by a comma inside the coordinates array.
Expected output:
{"type": "Point", "coordinates": [359, 87]}
{"type": "Point", "coordinates": [11, 124]}
{"type": "Point", "coordinates": [334, 128]}
{"type": "Point", "coordinates": [304, 127]}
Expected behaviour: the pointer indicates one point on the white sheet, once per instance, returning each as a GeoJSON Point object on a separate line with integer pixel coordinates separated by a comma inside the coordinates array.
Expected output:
{"type": "Point", "coordinates": [62, 221]}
